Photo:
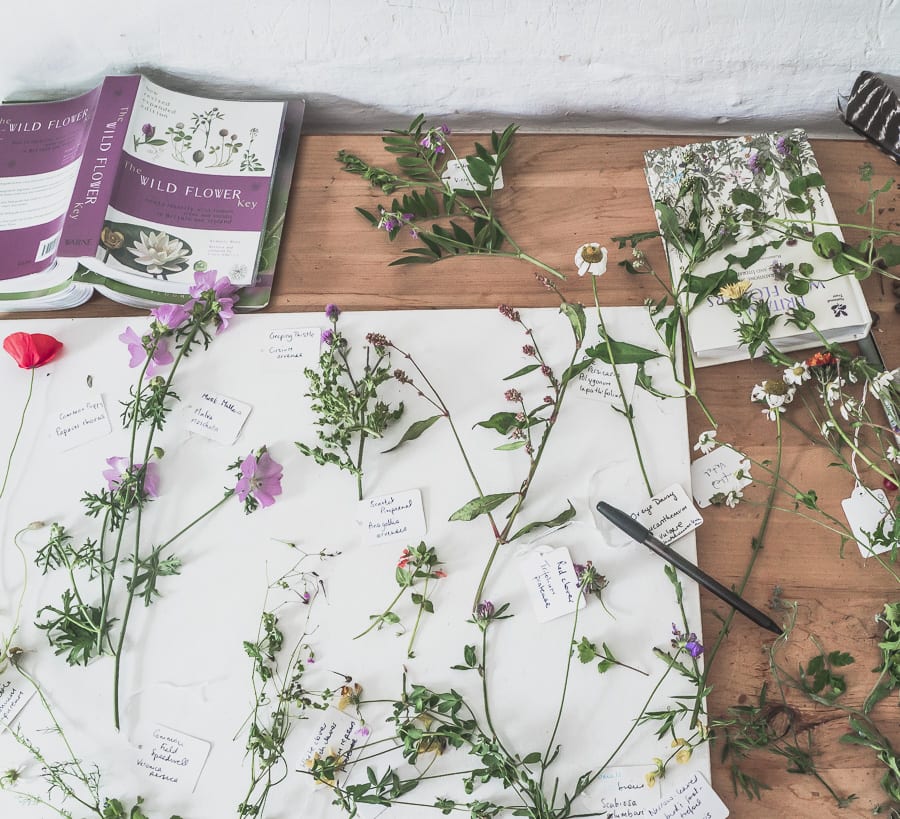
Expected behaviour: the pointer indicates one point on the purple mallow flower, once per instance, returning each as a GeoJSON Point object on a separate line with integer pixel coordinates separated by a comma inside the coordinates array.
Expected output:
{"type": "Point", "coordinates": [135, 343]}
{"type": "Point", "coordinates": [119, 469]}
{"type": "Point", "coordinates": [260, 478]}
{"type": "Point", "coordinates": [170, 316]}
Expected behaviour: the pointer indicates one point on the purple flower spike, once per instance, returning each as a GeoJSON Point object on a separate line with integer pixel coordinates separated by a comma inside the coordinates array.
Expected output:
{"type": "Point", "coordinates": [260, 479]}
{"type": "Point", "coordinates": [332, 311]}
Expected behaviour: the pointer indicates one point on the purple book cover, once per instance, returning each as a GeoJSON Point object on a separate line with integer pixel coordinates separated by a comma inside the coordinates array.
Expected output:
{"type": "Point", "coordinates": [94, 184]}
{"type": "Point", "coordinates": [41, 145]}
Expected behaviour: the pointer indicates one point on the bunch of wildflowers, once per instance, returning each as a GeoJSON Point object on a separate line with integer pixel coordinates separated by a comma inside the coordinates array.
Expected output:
{"type": "Point", "coordinates": [347, 403]}
{"type": "Point", "coordinates": [83, 624]}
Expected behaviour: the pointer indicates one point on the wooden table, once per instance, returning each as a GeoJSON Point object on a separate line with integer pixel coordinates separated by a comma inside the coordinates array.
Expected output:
{"type": "Point", "coordinates": [562, 191]}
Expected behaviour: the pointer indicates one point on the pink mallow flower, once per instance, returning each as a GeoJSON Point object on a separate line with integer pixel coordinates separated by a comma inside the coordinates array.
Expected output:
{"type": "Point", "coordinates": [161, 355]}
{"type": "Point", "coordinates": [260, 480]}
{"type": "Point", "coordinates": [170, 316]}
{"type": "Point", "coordinates": [206, 285]}
{"type": "Point", "coordinates": [119, 469]}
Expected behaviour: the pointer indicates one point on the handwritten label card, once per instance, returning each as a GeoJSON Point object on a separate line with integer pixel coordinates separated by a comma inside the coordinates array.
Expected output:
{"type": "Point", "coordinates": [622, 793]}
{"type": "Point", "coordinates": [171, 757]}
{"type": "Point", "coordinates": [398, 516]}
{"type": "Point", "coordinates": [337, 735]}
{"type": "Point", "coordinates": [13, 698]}
{"type": "Point", "coordinates": [298, 346]}
{"type": "Point", "coordinates": [79, 422]}
{"type": "Point", "coordinates": [551, 582]}
{"type": "Point", "coordinates": [217, 417]}
{"type": "Point", "coordinates": [865, 509]}
{"type": "Point", "coordinates": [717, 472]}
{"type": "Point", "coordinates": [669, 515]}
{"type": "Point", "coordinates": [456, 175]}
{"type": "Point", "coordinates": [599, 382]}
{"type": "Point", "coordinates": [692, 798]}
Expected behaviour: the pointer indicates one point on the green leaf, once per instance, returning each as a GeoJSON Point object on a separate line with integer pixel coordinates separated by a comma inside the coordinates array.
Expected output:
{"type": "Point", "coordinates": [796, 205]}
{"type": "Point", "coordinates": [826, 245]}
{"type": "Point", "coordinates": [532, 759]}
{"type": "Point", "coordinates": [414, 431]}
{"type": "Point", "coordinates": [890, 254]}
{"type": "Point", "coordinates": [510, 445]}
{"type": "Point", "coordinates": [575, 314]}
{"type": "Point", "coordinates": [669, 226]}
{"type": "Point", "coordinates": [623, 352]}
{"type": "Point", "coordinates": [754, 254]}
{"type": "Point", "coordinates": [744, 197]}
{"type": "Point", "coordinates": [503, 422]}
{"type": "Point", "coordinates": [528, 368]}
{"type": "Point", "coordinates": [586, 650]}
{"type": "Point", "coordinates": [563, 517]}
{"type": "Point", "coordinates": [481, 506]}
{"type": "Point", "coordinates": [576, 369]}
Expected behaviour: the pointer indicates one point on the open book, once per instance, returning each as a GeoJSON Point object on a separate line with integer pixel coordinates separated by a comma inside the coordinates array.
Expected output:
{"type": "Point", "coordinates": [763, 165]}
{"type": "Point", "coordinates": [131, 188]}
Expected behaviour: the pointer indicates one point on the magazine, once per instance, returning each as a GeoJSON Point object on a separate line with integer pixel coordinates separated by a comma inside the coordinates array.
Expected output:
{"type": "Point", "coordinates": [763, 165]}
{"type": "Point", "coordinates": [131, 188]}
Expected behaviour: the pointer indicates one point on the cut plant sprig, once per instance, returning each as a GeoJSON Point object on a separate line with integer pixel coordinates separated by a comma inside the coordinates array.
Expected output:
{"type": "Point", "coordinates": [422, 153]}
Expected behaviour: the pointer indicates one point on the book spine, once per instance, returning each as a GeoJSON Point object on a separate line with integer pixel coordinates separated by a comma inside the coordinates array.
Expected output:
{"type": "Point", "coordinates": [94, 183]}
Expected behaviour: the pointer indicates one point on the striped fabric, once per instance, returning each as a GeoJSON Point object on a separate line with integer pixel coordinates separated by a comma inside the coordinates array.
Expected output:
{"type": "Point", "coordinates": [873, 110]}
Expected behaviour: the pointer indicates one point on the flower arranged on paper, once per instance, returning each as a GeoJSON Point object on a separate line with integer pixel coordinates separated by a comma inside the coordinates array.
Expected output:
{"type": "Point", "coordinates": [418, 563]}
{"type": "Point", "coordinates": [346, 400]}
{"type": "Point", "coordinates": [686, 642]}
{"type": "Point", "coordinates": [151, 350]}
{"type": "Point", "coordinates": [159, 253]}
{"type": "Point", "coordinates": [32, 350]}
{"type": "Point", "coordinates": [259, 481]}
{"type": "Point", "coordinates": [132, 483]}
{"type": "Point", "coordinates": [591, 258]}
{"type": "Point", "coordinates": [147, 137]}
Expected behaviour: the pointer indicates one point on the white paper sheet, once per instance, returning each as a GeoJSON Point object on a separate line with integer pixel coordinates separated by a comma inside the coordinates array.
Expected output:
{"type": "Point", "coordinates": [184, 663]}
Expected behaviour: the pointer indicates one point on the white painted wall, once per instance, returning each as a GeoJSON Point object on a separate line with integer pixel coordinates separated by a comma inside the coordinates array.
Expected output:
{"type": "Point", "coordinates": [705, 66]}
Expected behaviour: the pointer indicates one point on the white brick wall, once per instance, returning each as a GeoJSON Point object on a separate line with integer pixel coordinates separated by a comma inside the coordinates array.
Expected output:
{"type": "Point", "coordinates": [617, 65]}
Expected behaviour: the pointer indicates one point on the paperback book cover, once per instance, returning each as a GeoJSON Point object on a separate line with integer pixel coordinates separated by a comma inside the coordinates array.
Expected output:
{"type": "Point", "coordinates": [764, 165]}
{"type": "Point", "coordinates": [133, 187]}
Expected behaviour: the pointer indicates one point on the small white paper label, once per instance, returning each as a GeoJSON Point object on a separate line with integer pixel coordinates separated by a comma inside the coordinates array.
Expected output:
{"type": "Point", "coordinates": [864, 510]}
{"type": "Point", "coordinates": [622, 793]}
{"type": "Point", "coordinates": [456, 176]}
{"type": "Point", "coordinates": [717, 472]}
{"type": "Point", "coordinates": [337, 735]}
{"type": "Point", "coordinates": [166, 755]}
{"type": "Point", "coordinates": [551, 582]}
{"type": "Point", "coordinates": [398, 516]}
{"type": "Point", "coordinates": [80, 422]}
{"type": "Point", "coordinates": [669, 515]}
{"type": "Point", "coordinates": [599, 382]}
{"type": "Point", "coordinates": [690, 798]}
{"type": "Point", "coordinates": [13, 698]}
{"type": "Point", "coordinates": [217, 417]}
{"type": "Point", "coordinates": [297, 346]}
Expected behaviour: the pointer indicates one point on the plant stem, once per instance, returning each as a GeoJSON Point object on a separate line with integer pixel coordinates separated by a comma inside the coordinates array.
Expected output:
{"type": "Point", "coordinates": [18, 433]}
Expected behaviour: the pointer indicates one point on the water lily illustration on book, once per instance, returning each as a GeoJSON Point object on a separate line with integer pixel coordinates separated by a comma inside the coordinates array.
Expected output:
{"type": "Point", "coordinates": [750, 215]}
{"type": "Point", "coordinates": [162, 184]}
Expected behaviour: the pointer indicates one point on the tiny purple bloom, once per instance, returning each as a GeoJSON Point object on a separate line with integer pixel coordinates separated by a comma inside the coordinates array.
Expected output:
{"type": "Point", "coordinates": [170, 316]}
{"type": "Point", "coordinates": [328, 337]}
{"type": "Point", "coordinates": [693, 646]}
{"type": "Point", "coordinates": [445, 129]}
{"type": "Point", "coordinates": [484, 610]}
{"type": "Point", "coordinates": [781, 146]}
{"type": "Point", "coordinates": [332, 311]}
{"type": "Point", "coordinates": [148, 130]}
{"type": "Point", "coordinates": [135, 344]}
{"type": "Point", "coordinates": [260, 477]}
{"type": "Point", "coordinates": [753, 163]}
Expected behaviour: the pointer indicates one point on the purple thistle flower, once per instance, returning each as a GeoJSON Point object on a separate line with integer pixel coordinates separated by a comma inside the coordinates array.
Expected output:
{"type": "Point", "coordinates": [170, 316]}
{"type": "Point", "coordinates": [260, 479]}
{"type": "Point", "coordinates": [119, 469]}
{"type": "Point", "coordinates": [327, 337]}
{"type": "Point", "coordinates": [332, 311]}
{"type": "Point", "coordinates": [161, 355]}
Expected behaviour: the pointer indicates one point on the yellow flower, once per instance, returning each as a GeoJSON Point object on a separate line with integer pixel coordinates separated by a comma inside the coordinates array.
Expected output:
{"type": "Point", "coordinates": [110, 238]}
{"type": "Point", "coordinates": [732, 292]}
{"type": "Point", "coordinates": [350, 695]}
{"type": "Point", "coordinates": [431, 744]}
{"type": "Point", "coordinates": [684, 754]}
{"type": "Point", "coordinates": [331, 763]}
{"type": "Point", "coordinates": [650, 778]}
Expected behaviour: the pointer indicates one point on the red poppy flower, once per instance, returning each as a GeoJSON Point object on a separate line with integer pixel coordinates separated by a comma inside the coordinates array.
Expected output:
{"type": "Point", "coordinates": [31, 350]}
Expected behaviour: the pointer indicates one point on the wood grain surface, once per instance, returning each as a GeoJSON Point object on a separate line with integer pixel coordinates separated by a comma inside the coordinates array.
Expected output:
{"type": "Point", "coordinates": [562, 191]}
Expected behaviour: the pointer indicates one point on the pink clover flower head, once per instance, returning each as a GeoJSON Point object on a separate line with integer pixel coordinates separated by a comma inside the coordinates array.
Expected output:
{"type": "Point", "coordinates": [137, 347]}
{"type": "Point", "coordinates": [170, 316]}
{"type": "Point", "coordinates": [260, 480]}
{"type": "Point", "coordinates": [121, 473]}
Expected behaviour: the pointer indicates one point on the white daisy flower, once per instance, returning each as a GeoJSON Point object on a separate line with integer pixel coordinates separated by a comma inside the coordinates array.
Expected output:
{"type": "Point", "coordinates": [591, 258]}
{"type": "Point", "coordinates": [797, 373]}
{"type": "Point", "coordinates": [833, 390]}
{"type": "Point", "coordinates": [892, 454]}
{"type": "Point", "coordinates": [774, 393]}
{"type": "Point", "coordinates": [706, 442]}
